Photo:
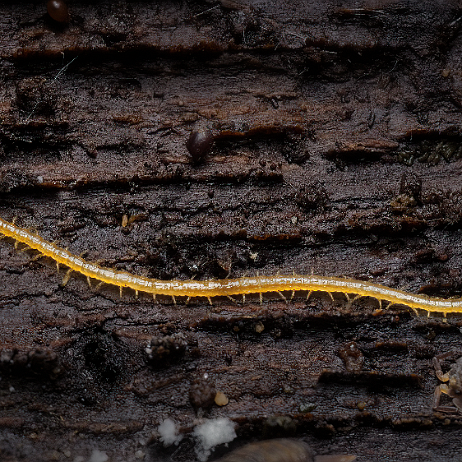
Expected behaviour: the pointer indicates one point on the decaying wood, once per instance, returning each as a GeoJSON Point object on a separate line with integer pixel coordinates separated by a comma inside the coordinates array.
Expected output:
{"type": "Point", "coordinates": [337, 149]}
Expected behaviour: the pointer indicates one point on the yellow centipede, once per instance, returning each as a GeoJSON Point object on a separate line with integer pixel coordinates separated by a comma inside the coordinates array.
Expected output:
{"type": "Point", "coordinates": [228, 287]}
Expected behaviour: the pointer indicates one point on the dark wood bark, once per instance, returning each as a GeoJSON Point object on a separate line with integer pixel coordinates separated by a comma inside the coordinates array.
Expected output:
{"type": "Point", "coordinates": [337, 150]}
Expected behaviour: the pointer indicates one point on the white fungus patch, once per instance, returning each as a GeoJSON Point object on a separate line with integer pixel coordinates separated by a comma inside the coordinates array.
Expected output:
{"type": "Point", "coordinates": [168, 433]}
{"type": "Point", "coordinates": [98, 456]}
{"type": "Point", "coordinates": [212, 433]}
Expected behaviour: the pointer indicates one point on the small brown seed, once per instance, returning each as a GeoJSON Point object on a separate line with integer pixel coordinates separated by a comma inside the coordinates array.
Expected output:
{"type": "Point", "coordinates": [57, 9]}
{"type": "Point", "coordinates": [199, 144]}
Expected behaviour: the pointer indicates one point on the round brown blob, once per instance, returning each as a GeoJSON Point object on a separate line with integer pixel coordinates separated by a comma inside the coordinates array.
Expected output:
{"type": "Point", "coordinates": [199, 144]}
{"type": "Point", "coordinates": [57, 9]}
{"type": "Point", "coordinates": [202, 393]}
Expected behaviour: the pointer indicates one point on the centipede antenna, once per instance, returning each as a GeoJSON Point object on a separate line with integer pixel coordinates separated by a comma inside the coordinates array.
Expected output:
{"type": "Point", "coordinates": [89, 281]}
{"type": "Point", "coordinates": [308, 295]}
{"type": "Point", "coordinates": [66, 277]}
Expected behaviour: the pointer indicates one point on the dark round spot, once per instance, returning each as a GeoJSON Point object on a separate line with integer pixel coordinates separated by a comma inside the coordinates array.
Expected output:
{"type": "Point", "coordinates": [199, 144]}
{"type": "Point", "coordinates": [202, 393]}
{"type": "Point", "coordinates": [57, 9]}
{"type": "Point", "coordinates": [162, 350]}
{"type": "Point", "coordinates": [104, 357]}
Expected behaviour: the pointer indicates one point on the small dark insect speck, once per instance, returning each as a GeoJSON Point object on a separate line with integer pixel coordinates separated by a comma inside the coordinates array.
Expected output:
{"type": "Point", "coordinates": [57, 9]}
{"type": "Point", "coordinates": [199, 144]}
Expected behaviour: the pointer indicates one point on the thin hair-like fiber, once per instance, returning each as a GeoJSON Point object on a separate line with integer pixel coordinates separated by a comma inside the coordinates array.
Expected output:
{"type": "Point", "coordinates": [228, 287]}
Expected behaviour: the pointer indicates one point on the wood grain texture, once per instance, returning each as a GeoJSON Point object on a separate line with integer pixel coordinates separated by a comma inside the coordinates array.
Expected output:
{"type": "Point", "coordinates": [336, 150]}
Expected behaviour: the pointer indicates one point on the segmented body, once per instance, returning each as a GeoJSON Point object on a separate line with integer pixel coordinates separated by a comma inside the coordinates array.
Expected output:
{"type": "Point", "coordinates": [229, 287]}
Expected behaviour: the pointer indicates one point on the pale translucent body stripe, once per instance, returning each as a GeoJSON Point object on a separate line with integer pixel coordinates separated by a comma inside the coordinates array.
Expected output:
{"type": "Point", "coordinates": [224, 287]}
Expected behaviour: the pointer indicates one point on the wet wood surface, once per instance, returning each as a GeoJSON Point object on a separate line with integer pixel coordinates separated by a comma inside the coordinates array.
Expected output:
{"type": "Point", "coordinates": [337, 151]}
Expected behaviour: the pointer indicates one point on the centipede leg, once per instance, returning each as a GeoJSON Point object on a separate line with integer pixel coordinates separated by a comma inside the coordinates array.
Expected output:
{"type": "Point", "coordinates": [89, 281]}
{"type": "Point", "coordinates": [349, 301]}
{"type": "Point", "coordinates": [136, 294]}
{"type": "Point", "coordinates": [174, 299]}
{"type": "Point", "coordinates": [331, 296]}
{"type": "Point", "coordinates": [415, 311]}
{"type": "Point", "coordinates": [261, 298]}
{"type": "Point", "coordinates": [243, 298]}
{"type": "Point", "coordinates": [120, 291]}
{"type": "Point", "coordinates": [352, 300]}
{"type": "Point", "coordinates": [308, 295]}
{"type": "Point", "coordinates": [66, 277]}
{"type": "Point", "coordinates": [232, 299]}
{"type": "Point", "coordinates": [187, 300]}
{"type": "Point", "coordinates": [281, 295]}
{"type": "Point", "coordinates": [36, 257]}
{"type": "Point", "coordinates": [210, 301]}
{"type": "Point", "coordinates": [24, 249]}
